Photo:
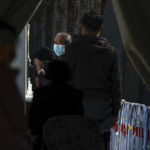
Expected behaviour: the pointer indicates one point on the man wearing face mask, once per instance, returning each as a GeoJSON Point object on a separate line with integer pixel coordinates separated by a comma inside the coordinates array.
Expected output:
{"type": "Point", "coordinates": [61, 39]}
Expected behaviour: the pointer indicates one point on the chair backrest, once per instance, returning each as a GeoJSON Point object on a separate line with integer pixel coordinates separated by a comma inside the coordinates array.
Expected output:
{"type": "Point", "coordinates": [71, 133]}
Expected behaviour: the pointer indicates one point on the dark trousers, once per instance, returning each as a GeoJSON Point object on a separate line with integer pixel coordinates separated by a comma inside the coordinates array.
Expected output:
{"type": "Point", "coordinates": [105, 141]}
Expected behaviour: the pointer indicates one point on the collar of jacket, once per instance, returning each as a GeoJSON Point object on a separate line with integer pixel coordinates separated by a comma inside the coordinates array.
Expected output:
{"type": "Point", "coordinates": [94, 39]}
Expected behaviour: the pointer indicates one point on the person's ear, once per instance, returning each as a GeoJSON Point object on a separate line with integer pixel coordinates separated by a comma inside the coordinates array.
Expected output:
{"type": "Point", "coordinates": [100, 31]}
{"type": "Point", "coordinates": [84, 30]}
{"type": "Point", "coordinates": [7, 53]}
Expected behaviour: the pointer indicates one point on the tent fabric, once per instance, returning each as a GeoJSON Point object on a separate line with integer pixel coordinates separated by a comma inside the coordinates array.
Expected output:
{"type": "Point", "coordinates": [18, 12]}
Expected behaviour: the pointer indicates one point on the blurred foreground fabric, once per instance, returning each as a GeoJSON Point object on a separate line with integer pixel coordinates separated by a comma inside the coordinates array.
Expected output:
{"type": "Point", "coordinates": [134, 20]}
{"type": "Point", "coordinates": [12, 114]}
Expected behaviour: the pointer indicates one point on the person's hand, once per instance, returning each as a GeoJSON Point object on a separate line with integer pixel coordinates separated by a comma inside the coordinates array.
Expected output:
{"type": "Point", "coordinates": [114, 120]}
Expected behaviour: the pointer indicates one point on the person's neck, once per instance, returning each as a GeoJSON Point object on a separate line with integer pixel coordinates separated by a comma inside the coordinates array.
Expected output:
{"type": "Point", "coordinates": [58, 82]}
{"type": "Point", "coordinates": [92, 34]}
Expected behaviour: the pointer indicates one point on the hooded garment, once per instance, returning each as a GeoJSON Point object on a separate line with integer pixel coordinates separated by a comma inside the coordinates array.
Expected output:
{"type": "Point", "coordinates": [95, 69]}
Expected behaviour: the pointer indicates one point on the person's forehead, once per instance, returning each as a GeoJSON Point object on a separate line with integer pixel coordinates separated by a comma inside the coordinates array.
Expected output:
{"type": "Point", "coordinates": [59, 39]}
{"type": "Point", "coordinates": [36, 60]}
{"type": "Point", "coordinates": [60, 36]}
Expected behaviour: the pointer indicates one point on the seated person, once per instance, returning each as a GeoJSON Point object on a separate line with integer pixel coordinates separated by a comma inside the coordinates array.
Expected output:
{"type": "Point", "coordinates": [57, 98]}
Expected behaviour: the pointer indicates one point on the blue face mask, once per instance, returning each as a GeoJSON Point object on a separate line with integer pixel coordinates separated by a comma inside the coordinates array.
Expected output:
{"type": "Point", "coordinates": [59, 49]}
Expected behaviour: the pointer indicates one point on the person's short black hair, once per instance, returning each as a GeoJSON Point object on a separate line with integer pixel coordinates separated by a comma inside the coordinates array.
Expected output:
{"type": "Point", "coordinates": [43, 54]}
{"type": "Point", "coordinates": [4, 25]}
{"type": "Point", "coordinates": [58, 71]}
{"type": "Point", "coordinates": [8, 32]}
{"type": "Point", "coordinates": [92, 20]}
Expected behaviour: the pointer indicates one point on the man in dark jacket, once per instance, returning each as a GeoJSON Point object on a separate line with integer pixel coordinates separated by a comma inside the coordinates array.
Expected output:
{"type": "Point", "coordinates": [95, 70]}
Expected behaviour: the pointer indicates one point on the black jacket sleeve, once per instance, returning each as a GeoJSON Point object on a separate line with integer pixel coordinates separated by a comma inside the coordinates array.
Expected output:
{"type": "Point", "coordinates": [70, 56]}
{"type": "Point", "coordinates": [115, 80]}
{"type": "Point", "coordinates": [35, 115]}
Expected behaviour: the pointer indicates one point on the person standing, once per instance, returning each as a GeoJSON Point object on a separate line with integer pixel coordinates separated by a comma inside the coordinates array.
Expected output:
{"type": "Point", "coordinates": [96, 72]}
{"type": "Point", "coordinates": [41, 58]}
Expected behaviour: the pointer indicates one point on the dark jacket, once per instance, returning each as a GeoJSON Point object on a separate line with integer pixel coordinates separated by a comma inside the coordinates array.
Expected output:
{"type": "Point", "coordinates": [42, 80]}
{"type": "Point", "coordinates": [95, 69]}
{"type": "Point", "coordinates": [54, 100]}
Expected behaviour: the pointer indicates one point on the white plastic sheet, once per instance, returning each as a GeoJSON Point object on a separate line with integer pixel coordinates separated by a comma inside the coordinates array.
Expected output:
{"type": "Point", "coordinates": [132, 132]}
